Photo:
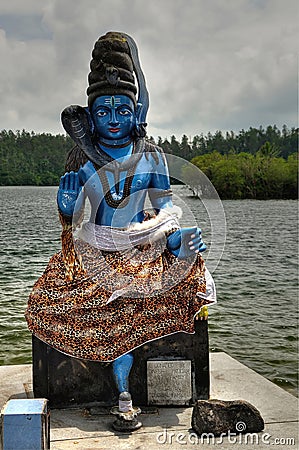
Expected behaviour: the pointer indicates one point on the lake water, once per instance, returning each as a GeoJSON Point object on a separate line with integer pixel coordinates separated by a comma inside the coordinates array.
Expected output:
{"type": "Point", "coordinates": [255, 319]}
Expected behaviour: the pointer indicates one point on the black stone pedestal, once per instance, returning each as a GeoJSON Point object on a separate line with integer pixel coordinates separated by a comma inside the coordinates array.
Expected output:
{"type": "Point", "coordinates": [67, 381]}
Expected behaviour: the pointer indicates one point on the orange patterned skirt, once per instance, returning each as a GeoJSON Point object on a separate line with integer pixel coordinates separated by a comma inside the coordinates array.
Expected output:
{"type": "Point", "coordinates": [156, 295]}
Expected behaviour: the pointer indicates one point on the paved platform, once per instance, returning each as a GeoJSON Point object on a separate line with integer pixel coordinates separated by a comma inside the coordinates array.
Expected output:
{"type": "Point", "coordinates": [170, 428]}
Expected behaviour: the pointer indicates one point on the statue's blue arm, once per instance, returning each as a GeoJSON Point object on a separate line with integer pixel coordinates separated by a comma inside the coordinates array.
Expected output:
{"type": "Point", "coordinates": [186, 241]}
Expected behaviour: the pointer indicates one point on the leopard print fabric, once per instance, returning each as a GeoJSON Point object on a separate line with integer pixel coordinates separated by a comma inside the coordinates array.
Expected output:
{"type": "Point", "coordinates": [71, 314]}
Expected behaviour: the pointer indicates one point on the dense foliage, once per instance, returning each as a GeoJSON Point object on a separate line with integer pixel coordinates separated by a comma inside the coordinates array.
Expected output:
{"type": "Point", "coordinates": [32, 159]}
{"type": "Point", "coordinates": [284, 142]}
{"type": "Point", "coordinates": [243, 175]}
{"type": "Point", "coordinates": [257, 163]}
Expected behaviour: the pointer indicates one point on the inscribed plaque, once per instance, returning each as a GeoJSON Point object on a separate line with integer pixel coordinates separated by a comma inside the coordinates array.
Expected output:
{"type": "Point", "coordinates": [169, 382]}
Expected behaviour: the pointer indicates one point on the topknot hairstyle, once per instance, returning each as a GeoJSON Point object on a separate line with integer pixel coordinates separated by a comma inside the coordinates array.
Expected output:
{"type": "Point", "coordinates": [112, 68]}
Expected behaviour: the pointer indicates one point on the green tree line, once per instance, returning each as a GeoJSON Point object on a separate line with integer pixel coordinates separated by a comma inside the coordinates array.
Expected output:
{"type": "Point", "coordinates": [285, 142]}
{"type": "Point", "coordinates": [237, 176]}
{"type": "Point", "coordinates": [257, 163]}
{"type": "Point", "coordinates": [32, 159]}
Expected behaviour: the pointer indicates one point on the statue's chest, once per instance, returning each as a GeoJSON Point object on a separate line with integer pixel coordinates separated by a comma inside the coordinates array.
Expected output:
{"type": "Point", "coordinates": [117, 186]}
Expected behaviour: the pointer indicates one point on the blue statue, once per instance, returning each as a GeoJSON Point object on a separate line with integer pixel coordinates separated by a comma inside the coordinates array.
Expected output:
{"type": "Point", "coordinates": [114, 119]}
{"type": "Point", "coordinates": [114, 168]}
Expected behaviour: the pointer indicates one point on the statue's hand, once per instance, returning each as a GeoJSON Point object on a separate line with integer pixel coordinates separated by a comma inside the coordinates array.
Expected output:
{"type": "Point", "coordinates": [185, 242]}
{"type": "Point", "coordinates": [68, 192]}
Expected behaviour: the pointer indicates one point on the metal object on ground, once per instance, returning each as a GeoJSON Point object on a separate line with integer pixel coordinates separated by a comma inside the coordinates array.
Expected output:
{"type": "Point", "coordinates": [25, 424]}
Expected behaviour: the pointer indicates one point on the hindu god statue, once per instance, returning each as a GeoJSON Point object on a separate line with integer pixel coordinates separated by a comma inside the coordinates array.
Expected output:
{"type": "Point", "coordinates": [130, 273]}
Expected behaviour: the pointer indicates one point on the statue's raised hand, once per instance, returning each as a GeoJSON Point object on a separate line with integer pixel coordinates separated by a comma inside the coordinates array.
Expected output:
{"type": "Point", "coordinates": [68, 192]}
{"type": "Point", "coordinates": [186, 242]}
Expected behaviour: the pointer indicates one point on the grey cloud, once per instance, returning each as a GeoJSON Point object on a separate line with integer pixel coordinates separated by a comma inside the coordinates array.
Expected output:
{"type": "Point", "coordinates": [24, 27]}
{"type": "Point", "coordinates": [21, 7]}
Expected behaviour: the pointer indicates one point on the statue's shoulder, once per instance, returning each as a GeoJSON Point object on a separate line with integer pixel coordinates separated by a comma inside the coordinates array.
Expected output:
{"type": "Point", "coordinates": [75, 159]}
{"type": "Point", "coordinates": [155, 151]}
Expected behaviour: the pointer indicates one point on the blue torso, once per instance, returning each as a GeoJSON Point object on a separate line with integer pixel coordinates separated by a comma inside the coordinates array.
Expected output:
{"type": "Point", "coordinates": [148, 177]}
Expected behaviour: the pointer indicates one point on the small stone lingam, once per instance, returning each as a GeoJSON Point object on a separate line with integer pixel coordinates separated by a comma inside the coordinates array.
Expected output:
{"type": "Point", "coordinates": [126, 414]}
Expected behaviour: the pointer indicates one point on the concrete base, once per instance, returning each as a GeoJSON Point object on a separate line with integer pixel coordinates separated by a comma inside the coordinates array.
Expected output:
{"type": "Point", "coordinates": [67, 381]}
{"type": "Point", "coordinates": [169, 428]}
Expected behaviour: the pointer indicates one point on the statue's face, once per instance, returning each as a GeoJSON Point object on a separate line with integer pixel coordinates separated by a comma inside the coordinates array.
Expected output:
{"type": "Point", "coordinates": [113, 116]}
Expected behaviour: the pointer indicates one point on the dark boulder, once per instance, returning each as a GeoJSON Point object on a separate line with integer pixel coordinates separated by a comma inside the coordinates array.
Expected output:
{"type": "Point", "coordinates": [219, 416]}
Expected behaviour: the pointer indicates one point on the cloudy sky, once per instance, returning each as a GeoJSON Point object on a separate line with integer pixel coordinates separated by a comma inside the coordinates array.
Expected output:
{"type": "Point", "coordinates": [210, 65]}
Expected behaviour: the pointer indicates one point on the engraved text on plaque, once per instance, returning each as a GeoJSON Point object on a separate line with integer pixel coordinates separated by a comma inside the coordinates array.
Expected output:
{"type": "Point", "coordinates": [169, 382]}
